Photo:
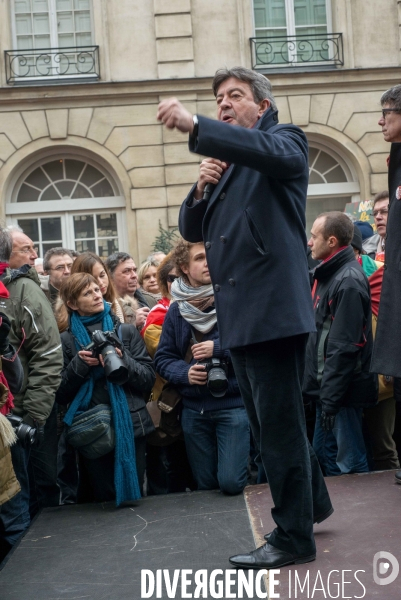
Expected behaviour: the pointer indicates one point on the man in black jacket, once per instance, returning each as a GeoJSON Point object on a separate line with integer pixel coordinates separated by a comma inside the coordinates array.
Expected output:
{"type": "Point", "coordinates": [338, 354]}
{"type": "Point", "coordinates": [260, 173]}
{"type": "Point", "coordinates": [386, 357]}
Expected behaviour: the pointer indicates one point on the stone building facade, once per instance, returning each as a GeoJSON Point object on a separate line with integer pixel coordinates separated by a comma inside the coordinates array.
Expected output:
{"type": "Point", "coordinates": [83, 160]}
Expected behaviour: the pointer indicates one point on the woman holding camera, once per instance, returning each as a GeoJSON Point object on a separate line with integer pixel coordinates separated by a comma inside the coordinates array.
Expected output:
{"type": "Point", "coordinates": [119, 473]}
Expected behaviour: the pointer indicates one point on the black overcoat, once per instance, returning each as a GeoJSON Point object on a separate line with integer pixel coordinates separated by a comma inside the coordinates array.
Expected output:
{"type": "Point", "coordinates": [386, 357]}
{"type": "Point", "coordinates": [254, 229]}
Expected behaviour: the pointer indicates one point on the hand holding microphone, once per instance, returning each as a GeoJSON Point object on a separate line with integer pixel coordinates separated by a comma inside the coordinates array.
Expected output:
{"type": "Point", "coordinates": [210, 172]}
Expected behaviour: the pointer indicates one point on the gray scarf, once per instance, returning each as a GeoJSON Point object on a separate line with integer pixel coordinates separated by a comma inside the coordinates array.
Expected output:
{"type": "Point", "coordinates": [187, 297]}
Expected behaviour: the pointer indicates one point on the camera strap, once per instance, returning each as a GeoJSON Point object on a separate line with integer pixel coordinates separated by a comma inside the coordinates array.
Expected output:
{"type": "Point", "coordinates": [197, 336]}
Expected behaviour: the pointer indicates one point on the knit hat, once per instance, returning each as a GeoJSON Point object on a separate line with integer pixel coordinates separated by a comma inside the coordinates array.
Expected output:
{"type": "Point", "coordinates": [356, 241]}
{"type": "Point", "coordinates": [365, 228]}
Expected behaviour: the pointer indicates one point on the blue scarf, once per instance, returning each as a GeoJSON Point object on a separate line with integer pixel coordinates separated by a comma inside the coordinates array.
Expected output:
{"type": "Point", "coordinates": [125, 475]}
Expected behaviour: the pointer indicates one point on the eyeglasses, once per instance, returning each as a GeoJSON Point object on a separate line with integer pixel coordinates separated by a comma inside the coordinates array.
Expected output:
{"type": "Point", "coordinates": [27, 250]}
{"type": "Point", "coordinates": [61, 268]}
{"type": "Point", "coordinates": [379, 211]}
{"type": "Point", "coordinates": [171, 278]}
{"type": "Point", "coordinates": [385, 111]}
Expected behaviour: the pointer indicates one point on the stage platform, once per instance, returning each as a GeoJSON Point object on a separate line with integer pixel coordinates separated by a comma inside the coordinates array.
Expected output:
{"type": "Point", "coordinates": [97, 552]}
{"type": "Point", "coordinates": [366, 520]}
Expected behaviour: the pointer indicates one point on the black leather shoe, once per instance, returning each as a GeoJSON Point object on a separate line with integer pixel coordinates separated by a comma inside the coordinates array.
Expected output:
{"type": "Point", "coordinates": [268, 557]}
{"type": "Point", "coordinates": [397, 476]}
{"type": "Point", "coordinates": [325, 515]}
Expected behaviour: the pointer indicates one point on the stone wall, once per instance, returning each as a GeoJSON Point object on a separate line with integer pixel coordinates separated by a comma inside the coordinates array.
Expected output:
{"type": "Point", "coordinates": [153, 165]}
{"type": "Point", "coordinates": [160, 48]}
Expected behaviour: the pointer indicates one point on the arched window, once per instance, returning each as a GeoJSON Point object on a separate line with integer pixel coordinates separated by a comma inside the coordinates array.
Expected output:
{"type": "Point", "coordinates": [332, 182]}
{"type": "Point", "coordinates": [64, 179]}
{"type": "Point", "coordinates": [324, 168]}
{"type": "Point", "coordinates": [70, 202]}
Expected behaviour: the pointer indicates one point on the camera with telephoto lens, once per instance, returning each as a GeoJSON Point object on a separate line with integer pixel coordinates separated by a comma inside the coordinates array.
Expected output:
{"type": "Point", "coordinates": [105, 343]}
{"type": "Point", "coordinates": [24, 432]}
{"type": "Point", "coordinates": [217, 381]}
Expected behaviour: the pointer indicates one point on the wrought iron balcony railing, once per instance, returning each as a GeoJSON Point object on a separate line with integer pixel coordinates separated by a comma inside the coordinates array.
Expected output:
{"type": "Point", "coordinates": [297, 50]}
{"type": "Point", "coordinates": [52, 64]}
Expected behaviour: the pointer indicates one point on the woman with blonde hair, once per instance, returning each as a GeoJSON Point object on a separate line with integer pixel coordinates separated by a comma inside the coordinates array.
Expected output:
{"type": "Point", "coordinates": [147, 279]}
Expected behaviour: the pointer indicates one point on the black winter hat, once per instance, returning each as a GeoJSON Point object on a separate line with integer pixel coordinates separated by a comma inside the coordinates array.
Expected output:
{"type": "Point", "coordinates": [365, 228]}
{"type": "Point", "coordinates": [357, 239]}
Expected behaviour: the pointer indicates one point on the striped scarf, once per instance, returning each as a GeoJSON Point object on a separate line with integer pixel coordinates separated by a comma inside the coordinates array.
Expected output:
{"type": "Point", "coordinates": [125, 475]}
{"type": "Point", "coordinates": [187, 296]}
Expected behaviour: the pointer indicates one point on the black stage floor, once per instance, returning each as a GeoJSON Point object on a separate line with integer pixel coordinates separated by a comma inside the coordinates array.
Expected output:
{"type": "Point", "coordinates": [97, 552]}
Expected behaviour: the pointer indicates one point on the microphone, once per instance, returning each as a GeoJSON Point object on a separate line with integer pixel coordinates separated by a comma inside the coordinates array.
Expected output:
{"type": "Point", "coordinates": [208, 191]}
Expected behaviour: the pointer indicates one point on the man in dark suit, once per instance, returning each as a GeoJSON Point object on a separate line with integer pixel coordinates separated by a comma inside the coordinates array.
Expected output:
{"type": "Point", "coordinates": [387, 346]}
{"type": "Point", "coordinates": [253, 226]}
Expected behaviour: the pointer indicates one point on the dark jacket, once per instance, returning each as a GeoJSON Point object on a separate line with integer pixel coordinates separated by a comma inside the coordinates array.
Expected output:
{"type": "Point", "coordinates": [387, 348]}
{"type": "Point", "coordinates": [32, 318]}
{"type": "Point", "coordinates": [254, 229]}
{"type": "Point", "coordinates": [141, 376]}
{"type": "Point", "coordinates": [170, 364]}
{"type": "Point", "coordinates": [338, 354]}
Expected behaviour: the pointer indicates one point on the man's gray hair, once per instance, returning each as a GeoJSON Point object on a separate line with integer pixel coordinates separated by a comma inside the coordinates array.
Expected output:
{"type": "Point", "coordinates": [6, 245]}
{"type": "Point", "coordinates": [54, 252]}
{"type": "Point", "coordinates": [115, 259]}
{"type": "Point", "coordinates": [260, 86]}
{"type": "Point", "coordinates": [392, 97]}
{"type": "Point", "coordinates": [384, 195]}
{"type": "Point", "coordinates": [12, 228]}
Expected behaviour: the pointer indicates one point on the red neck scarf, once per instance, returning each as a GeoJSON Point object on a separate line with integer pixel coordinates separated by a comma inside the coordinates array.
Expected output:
{"type": "Point", "coordinates": [3, 267]}
{"type": "Point", "coordinates": [3, 290]}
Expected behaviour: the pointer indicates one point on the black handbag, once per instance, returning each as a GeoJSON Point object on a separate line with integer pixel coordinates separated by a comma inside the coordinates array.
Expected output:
{"type": "Point", "coordinates": [92, 432]}
{"type": "Point", "coordinates": [166, 411]}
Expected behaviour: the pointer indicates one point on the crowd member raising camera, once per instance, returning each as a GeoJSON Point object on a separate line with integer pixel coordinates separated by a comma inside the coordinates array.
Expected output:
{"type": "Point", "coordinates": [189, 355]}
{"type": "Point", "coordinates": [88, 380]}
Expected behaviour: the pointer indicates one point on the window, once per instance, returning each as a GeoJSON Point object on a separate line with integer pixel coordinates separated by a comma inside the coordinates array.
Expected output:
{"type": "Point", "coordinates": [324, 168]}
{"type": "Point", "coordinates": [52, 39]}
{"type": "Point", "coordinates": [52, 23]}
{"type": "Point", "coordinates": [332, 184]}
{"type": "Point", "coordinates": [94, 232]}
{"type": "Point", "coordinates": [97, 233]}
{"type": "Point", "coordinates": [69, 202]}
{"type": "Point", "coordinates": [64, 179]}
{"type": "Point", "coordinates": [45, 233]}
{"type": "Point", "coordinates": [290, 17]}
{"type": "Point", "coordinates": [287, 20]}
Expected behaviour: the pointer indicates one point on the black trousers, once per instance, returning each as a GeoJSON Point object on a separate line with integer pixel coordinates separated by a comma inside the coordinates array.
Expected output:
{"type": "Point", "coordinates": [270, 375]}
{"type": "Point", "coordinates": [96, 476]}
{"type": "Point", "coordinates": [42, 469]}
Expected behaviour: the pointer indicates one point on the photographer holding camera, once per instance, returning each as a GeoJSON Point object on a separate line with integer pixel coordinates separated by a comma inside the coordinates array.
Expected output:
{"type": "Point", "coordinates": [106, 365]}
{"type": "Point", "coordinates": [213, 419]}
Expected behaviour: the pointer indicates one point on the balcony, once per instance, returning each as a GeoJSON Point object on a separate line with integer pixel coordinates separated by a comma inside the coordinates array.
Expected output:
{"type": "Point", "coordinates": [313, 50]}
{"type": "Point", "coordinates": [52, 65]}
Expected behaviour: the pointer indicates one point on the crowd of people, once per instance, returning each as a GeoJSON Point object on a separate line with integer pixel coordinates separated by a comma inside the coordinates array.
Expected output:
{"type": "Point", "coordinates": [94, 350]}
{"type": "Point", "coordinates": [165, 325]}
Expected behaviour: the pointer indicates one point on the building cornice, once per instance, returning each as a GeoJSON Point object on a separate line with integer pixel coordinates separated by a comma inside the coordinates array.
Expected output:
{"type": "Point", "coordinates": [101, 93]}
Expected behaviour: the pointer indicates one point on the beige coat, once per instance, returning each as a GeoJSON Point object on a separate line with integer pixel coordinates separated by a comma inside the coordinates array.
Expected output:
{"type": "Point", "coordinates": [9, 485]}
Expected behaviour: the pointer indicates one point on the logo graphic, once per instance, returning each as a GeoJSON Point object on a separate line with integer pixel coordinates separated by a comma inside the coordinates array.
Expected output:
{"type": "Point", "coordinates": [381, 568]}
